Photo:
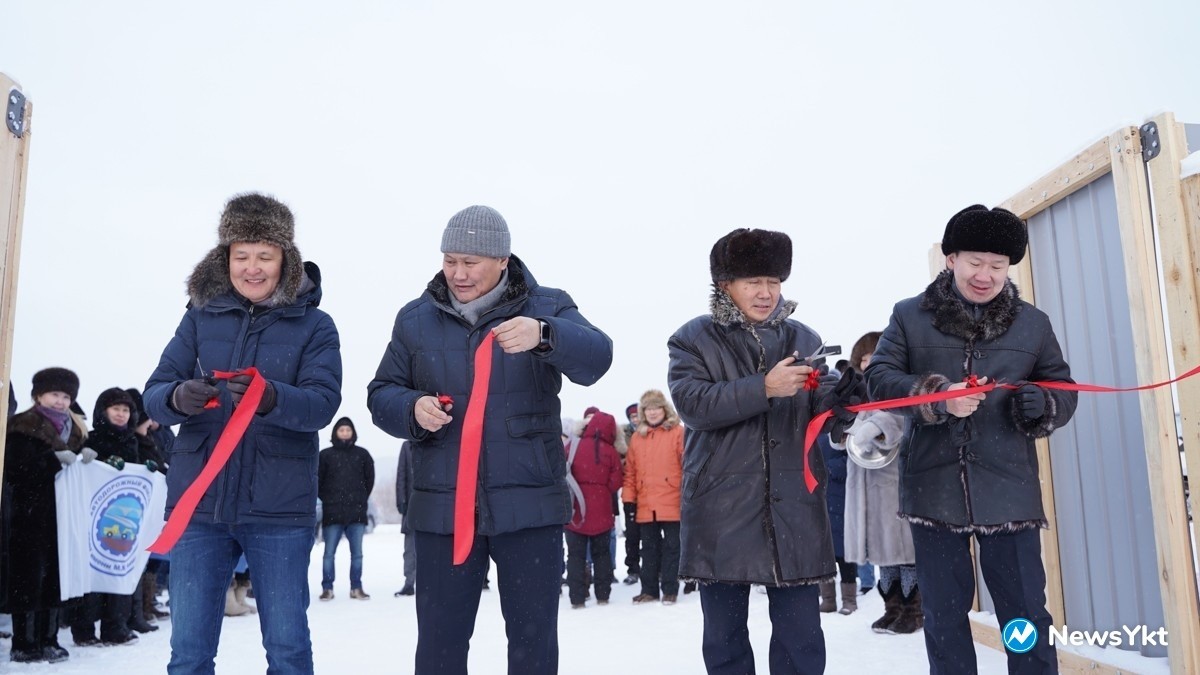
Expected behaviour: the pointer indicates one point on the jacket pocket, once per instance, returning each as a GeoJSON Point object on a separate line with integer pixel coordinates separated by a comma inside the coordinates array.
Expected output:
{"type": "Point", "coordinates": [542, 433]}
{"type": "Point", "coordinates": [285, 475]}
{"type": "Point", "coordinates": [186, 461]}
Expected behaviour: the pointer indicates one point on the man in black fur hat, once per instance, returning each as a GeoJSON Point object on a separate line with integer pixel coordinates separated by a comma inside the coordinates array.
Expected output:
{"type": "Point", "coordinates": [748, 515]}
{"type": "Point", "coordinates": [970, 467]}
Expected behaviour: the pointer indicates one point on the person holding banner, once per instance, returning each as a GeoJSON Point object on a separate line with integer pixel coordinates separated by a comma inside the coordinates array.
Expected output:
{"type": "Point", "coordinates": [253, 304]}
{"type": "Point", "coordinates": [39, 443]}
{"type": "Point", "coordinates": [484, 423]}
{"type": "Point", "coordinates": [753, 508]}
{"type": "Point", "coordinates": [970, 468]}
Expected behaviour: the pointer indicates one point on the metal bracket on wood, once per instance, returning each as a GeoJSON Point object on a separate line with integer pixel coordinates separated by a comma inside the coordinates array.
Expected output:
{"type": "Point", "coordinates": [1151, 144]}
{"type": "Point", "coordinates": [15, 117]}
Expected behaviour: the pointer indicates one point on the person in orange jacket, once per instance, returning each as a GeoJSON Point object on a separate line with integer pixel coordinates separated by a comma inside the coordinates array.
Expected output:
{"type": "Point", "coordinates": [653, 479]}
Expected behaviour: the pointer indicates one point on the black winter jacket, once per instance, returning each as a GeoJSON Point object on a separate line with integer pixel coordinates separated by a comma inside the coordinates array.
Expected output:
{"type": "Point", "coordinates": [978, 473]}
{"type": "Point", "coordinates": [747, 516]}
{"type": "Point", "coordinates": [345, 478]}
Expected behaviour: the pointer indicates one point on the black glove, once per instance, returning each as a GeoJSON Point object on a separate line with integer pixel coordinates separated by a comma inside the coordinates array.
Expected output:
{"type": "Point", "coordinates": [630, 510]}
{"type": "Point", "coordinates": [850, 390]}
{"type": "Point", "coordinates": [238, 384]}
{"type": "Point", "coordinates": [190, 397]}
{"type": "Point", "coordinates": [1031, 400]}
{"type": "Point", "coordinates": [115, 462]}
{"type": "Point", "coordinates": [151, 465]}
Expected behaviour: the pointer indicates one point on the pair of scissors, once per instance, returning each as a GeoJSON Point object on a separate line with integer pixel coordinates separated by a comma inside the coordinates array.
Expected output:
{"type": "Point", "coordinates": [818, 354]}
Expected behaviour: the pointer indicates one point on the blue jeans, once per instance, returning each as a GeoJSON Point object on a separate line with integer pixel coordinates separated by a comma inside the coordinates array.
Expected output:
{"type": "Point", "coordinates": [333, 535]}
{"type": "Point", "coordinates": [201, 569]}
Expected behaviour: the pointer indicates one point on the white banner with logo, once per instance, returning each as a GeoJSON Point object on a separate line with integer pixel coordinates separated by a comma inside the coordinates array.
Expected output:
{"type": "Point", "coordinates": [106, 519]}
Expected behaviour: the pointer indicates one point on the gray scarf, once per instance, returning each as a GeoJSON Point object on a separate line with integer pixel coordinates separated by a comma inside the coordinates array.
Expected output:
{"type": "Point", "coordinates": [471, 311]}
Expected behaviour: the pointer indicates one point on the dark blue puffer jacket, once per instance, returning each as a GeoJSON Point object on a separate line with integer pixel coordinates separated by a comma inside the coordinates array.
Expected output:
{"type": "Point", "coordinates": [272, 476]}
{"type": "Point", "coordinates": [522, 468]}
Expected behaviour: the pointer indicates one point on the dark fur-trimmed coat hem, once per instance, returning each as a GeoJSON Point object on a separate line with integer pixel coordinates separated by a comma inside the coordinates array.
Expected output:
{"type": "Point", "coordinates": [786, 584]}
{"type": "Point", "coordinates": [1002, 528]}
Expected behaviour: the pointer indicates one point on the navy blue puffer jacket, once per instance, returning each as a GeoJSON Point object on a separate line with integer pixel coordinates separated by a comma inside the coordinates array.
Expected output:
{"type": "Point", "coordinates": [272, 476]}
{"type": "Point", "coordinates": [522, 469]}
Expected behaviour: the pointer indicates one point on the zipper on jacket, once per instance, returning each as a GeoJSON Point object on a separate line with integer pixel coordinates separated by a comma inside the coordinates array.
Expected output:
{"type": "Point", "coordinates": [223, 484]}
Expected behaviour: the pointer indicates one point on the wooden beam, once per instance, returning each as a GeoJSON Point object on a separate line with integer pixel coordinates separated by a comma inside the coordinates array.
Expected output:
{"type": "Point", "coordinates": [1074, 174]}
{"type": "Point", "coordinates": [14, 166]}
{"type": "Point", "coordinates": [1176, 220]}
{"type": "Point", "coordinates": [1176, 574]}
{"type": "Point", "coordinates": [1069, 663]}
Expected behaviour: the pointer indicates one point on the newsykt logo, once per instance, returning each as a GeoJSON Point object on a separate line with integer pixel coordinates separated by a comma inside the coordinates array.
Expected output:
{"type": "Point", "coordinates": [1019, 635]}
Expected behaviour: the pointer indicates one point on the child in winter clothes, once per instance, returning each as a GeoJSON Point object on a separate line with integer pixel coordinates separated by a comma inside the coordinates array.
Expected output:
{"type": "Point", "coordinates": [594, 463]}
{"type": "Point", "coordinates": [39, 443]}
{"type": "Point", "coordinates": [653, 476]}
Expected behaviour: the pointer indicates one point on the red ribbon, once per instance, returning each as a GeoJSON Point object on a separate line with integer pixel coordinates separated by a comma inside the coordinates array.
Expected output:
{"type": "Point", "coordinates": [181, 515]}
{"type": "Point", "coordinates": [468, 454]}
{"type": "Point", "coordinates": [973, 387]}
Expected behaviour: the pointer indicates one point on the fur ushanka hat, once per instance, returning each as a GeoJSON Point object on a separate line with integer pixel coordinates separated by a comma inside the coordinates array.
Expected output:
{"type": "Point", "coordinates": [253, 218]}
{"type": "Point", "coordinates": [56, 379]}
{"type": "Point", "coordinates": [746, 253]}
{"type": "Point", "coordinates": [978, 228]}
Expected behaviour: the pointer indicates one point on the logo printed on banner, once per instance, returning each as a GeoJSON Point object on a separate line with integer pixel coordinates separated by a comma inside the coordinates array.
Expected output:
{"type": "Point", "coordinates": [117, 509]}
{"type": "Point", "coordinates": [1019, 635]}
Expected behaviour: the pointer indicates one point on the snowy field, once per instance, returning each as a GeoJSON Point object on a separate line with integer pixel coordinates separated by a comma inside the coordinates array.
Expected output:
{"type": "Point", "coordinates": [380, 634]}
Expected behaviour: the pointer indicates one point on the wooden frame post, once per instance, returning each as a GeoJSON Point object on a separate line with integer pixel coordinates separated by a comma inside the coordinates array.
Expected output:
{"type": "Point", "coordinates": [14, 166]}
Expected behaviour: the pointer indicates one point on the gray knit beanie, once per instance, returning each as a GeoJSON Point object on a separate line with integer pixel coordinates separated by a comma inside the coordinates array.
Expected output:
{"type": "Point", "coordinates": [477, 230]}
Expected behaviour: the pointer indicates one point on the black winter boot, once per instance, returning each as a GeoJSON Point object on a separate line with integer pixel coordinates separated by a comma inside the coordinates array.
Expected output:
{"type": "Point", "coordinates": [137, 615]}
{"type": "Point", "coordinates": [911, 616]}
{"type": "Point", "coordinates": [891, 608]}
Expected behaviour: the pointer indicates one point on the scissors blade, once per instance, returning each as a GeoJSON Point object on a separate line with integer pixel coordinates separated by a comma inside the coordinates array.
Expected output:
{"type": "Point", "coordinates": [815, 355]}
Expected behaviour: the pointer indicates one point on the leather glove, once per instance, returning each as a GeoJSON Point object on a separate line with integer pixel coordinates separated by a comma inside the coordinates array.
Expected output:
{"type": "Point", "coordinates": [1031, 400]}
{"type": "Point", "coordinates": [630, 509]}
{"type": "Point", "coordinates": [66, 457]}
{"type": "Point", "coordinates": [151, 465]}
{"type": "Point", "coordinates": [850, 390]}
{"type": "Point", "coordinates": [86, 455]}
{"type": "Point", "coordinates": [190, 397]}
{"type": "Point", "coordinates": [115, 462]}
{"type": "Point", "coordinates": [238, 384]}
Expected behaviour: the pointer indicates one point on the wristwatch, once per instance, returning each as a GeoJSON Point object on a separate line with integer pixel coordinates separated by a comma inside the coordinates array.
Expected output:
{"type": "Point", "coordinates": [544, 342]}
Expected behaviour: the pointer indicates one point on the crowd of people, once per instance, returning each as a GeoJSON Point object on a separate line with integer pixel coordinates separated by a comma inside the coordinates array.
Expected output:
{"type": "Point", "coordinates": [717, 489]}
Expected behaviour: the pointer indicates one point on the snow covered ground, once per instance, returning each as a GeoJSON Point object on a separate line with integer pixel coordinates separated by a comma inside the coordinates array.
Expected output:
{"type": "Point", "coordinates": [379, 635]}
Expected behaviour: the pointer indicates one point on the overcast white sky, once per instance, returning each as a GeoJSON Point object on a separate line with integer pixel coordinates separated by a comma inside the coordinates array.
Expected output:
{"type": "Point", "coordinates": [619, 140]}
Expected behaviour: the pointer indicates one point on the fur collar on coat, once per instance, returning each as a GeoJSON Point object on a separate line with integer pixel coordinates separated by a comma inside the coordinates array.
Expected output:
{"type": "Point", "coordinates": [953, 315]}
{"type": "Point", "coordinates": [33, 425]}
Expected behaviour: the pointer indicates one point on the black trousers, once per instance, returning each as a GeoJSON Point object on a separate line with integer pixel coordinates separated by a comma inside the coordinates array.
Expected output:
{"type": "Point", "coordinates": [1016, 579]}
{"type": "Point", "coordinates": [112, 610]}
{"type": "Point", "coordinates": [660, 558]}
{"type": "Point", "coordinates": [633, 543]}
{"type": "Point", "coordinates": [797, 641]}
{"type": "Point", "coordinates": [33, 631]}
{"type": "Point", "coordinates": [527, 573]}
{"type": "Point", "coordinates": [602, 570]}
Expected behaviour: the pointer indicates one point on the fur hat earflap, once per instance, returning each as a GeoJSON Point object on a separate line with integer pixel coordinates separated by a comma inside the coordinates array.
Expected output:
{"type": "Point", "coordinates": [978, 228]}
{"type": "Point", "coordinates": [746, 253]}
{"type": "Point", "coordinates": [653, 398]}
{"type": "Point", "coordinates": [56, 379]}
{"type": "Point", "coordinates": [251, 218]}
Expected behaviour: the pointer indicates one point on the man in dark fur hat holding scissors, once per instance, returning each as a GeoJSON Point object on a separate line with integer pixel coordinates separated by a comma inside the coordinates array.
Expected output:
{"type": "Point", "coordinates": [970, 467]}
{"type": "Point", "coordinates": [753, 510]}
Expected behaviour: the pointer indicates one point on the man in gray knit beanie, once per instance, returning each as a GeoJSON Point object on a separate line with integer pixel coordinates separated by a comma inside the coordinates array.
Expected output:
{"type": "Point", "coordinates": [428, 389]}
{"type": "Point", "coordinates": [477, 230]}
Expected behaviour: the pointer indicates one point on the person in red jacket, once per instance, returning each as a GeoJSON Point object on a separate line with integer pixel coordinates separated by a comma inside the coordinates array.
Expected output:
{"type": "Point", "coordinates": [594, 463]}
{"type": "Point", "coordinates": [653, 476]}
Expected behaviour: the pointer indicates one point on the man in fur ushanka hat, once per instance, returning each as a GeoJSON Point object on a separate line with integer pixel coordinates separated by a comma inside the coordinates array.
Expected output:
{"type": "Point", "coordinates": [747, 513]}
{"type": "Point", "coordinates": [971, 469]}
{"type": "Point", "coordinates": [253, 302]}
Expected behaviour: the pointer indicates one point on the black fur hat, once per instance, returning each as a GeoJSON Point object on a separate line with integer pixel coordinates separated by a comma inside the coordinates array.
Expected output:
{"type": "Point", "coordinates": [978, 228]}
{"type": "Point", "coordinates": [114, 396]}
{"type": "Point", "coordinates": [56, 379]}
{"type": "Point", "coordinates": [140, 403]}
{"type": "Point", "coordinates": [254, 218]}
{"type": "Point", "coordinates": [751, 253]}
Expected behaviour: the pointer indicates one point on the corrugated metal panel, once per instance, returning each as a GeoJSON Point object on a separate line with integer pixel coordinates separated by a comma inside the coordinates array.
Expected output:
{"type": "Point", "coordinates": [1193, 136]}
{"type": "Point", "coordinates": [1101, 484]}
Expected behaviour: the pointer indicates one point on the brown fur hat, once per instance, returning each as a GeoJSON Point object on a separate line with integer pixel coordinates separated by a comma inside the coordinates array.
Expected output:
{"type": "Point", "coordinates": [253, 218]}
{"type": "Point", "coordinates": [978, 228]}
{"type": "Point", "coordinates": [653, 398]}
{"type": "Point", "coordinates": [746, 253]}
